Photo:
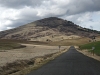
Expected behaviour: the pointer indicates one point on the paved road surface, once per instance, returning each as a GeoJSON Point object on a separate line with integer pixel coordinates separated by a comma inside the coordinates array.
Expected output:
{"type": "Point", "coordinates": [70, 63]}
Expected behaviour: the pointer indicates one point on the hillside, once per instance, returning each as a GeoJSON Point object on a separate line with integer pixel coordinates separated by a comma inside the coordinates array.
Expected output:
{"type": "Point", "coordinates": [48, 29]}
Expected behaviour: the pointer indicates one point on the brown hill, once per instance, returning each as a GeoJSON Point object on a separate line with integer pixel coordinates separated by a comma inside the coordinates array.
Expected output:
{"type": "Point", "coordinates": [48, 29]}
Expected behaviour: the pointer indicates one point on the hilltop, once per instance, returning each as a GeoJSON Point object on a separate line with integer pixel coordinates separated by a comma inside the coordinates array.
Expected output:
{"type": "Point", "coordinates": [48, 29]}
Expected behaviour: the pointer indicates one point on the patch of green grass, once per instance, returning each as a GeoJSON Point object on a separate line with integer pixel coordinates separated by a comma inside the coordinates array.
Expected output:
{"type": "Point", "coordinates": [9, 45]}
{"type": "Point", "coordinates": [90, 45]}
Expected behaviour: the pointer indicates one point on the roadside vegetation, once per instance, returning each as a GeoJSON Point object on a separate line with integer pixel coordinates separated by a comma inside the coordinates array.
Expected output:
{"type": "Point", "coordinates": [90, 45]}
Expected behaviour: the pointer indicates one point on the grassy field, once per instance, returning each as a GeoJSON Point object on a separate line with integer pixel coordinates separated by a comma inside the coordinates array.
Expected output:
{"type": "Point", "coordinates": [13, 44]}
{"type": "Point", "coordinates": [90, 45]}
{"type": "Point", "coordinates": [69, 42]}
{"type": "Point", "coordinates": [7, 45]}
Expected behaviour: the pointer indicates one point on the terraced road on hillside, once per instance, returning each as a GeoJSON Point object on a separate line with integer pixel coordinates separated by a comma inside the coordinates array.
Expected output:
{"type": "Point", "coordinates": [70, 63]}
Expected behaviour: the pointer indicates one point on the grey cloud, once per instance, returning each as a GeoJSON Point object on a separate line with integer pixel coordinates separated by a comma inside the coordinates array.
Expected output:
{"type": "Point", "coordinates": [23, 20]}
{"type": "Point", "coordinates": [19, 22]}
{"type": "Point", "coordinates": [19, 3]}
{"type": "Point", "coordinates": [72, 8]}
{"type": "Point", "coordinates": [91, 20]}
{"type": "Point", "coordinates": [28, 14]}
{"type": "Point", "coordinates": [81, 6]}
{"type": "Point", "coordinates": [73, 18]}
{"type": "Point", "coordinates": [76, 8]}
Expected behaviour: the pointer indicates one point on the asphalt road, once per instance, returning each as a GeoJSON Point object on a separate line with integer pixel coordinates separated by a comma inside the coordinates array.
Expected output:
{"type": "Point", "coordinates": [70, 63]}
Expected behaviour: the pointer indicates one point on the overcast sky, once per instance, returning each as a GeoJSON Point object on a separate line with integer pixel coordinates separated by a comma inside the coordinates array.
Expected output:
{"type": "Point", "coordinates": [14, 13]}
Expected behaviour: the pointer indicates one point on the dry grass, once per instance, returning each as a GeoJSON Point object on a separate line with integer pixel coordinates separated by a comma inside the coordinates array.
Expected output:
{"type": "Point", "coordinates": [70, 42]}
{"type": "Point", "coordinates": [30, 51]}
{"type": "Point", "coordinates": [15, 60]}
{"type": "Point", "coordinates": [22, 67]}
{"type": "Point", "coordinates": [7, 45]}
{"type": "Point", "coordinates": [63, 42]}
{"type": "Point", "coordinates": [98, 38]}
{"type": "Point", "coordinates": [16, 66]}
{"type": "Point", "coordinates": [55, 37]}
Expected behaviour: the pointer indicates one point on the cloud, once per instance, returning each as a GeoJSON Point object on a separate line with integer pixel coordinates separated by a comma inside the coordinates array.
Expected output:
{"type": "Point", "coordinates": [26, 15]}
{"type": "Point", "coordinates": [85, 20]}
{"type": "Point", "coordinates": [78, 18]}
{"type": "Point", "coordinates": [19, 3]}
{"type": "Point", "coordinates": [81, 6]}
{"type": "Point", "coordinates": [6, 17]}
{"type": "Point", "coordinates": [95, 25]}
{"type": "Point", "coordinates": [19, 12]}
{"type": "Point", "coordinates": [70, 6]}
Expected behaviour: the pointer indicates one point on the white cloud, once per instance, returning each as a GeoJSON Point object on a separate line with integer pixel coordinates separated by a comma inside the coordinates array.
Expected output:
{"type": "Point", "coordinates": [10, 27]}
{"type": "Point", "coordinates": [78, 18]}
{"type": "Point", "coordinates": [92, 19]}
{"type": "Point", "coordinates": [7, 17]}
{"type": "Point", "coordinates": [86, 19]}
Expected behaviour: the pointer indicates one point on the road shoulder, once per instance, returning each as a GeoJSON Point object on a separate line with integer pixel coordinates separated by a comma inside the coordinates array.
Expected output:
{"type": "Point", "coordinates": [87, 53]}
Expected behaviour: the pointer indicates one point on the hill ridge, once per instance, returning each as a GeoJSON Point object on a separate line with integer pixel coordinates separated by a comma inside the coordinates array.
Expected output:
{"type": "Point", "coordinates": [51, 29]}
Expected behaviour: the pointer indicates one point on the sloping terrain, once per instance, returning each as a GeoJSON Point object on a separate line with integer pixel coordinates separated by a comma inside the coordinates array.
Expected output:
{"type": "Point", "coordinates": [48, 29]}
